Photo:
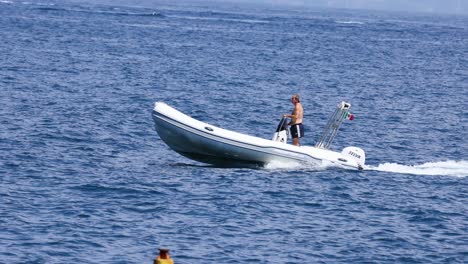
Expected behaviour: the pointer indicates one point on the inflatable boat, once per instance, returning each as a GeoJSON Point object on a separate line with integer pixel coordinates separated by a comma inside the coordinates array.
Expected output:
{"type": "Point", "coordinates": [206, 143]}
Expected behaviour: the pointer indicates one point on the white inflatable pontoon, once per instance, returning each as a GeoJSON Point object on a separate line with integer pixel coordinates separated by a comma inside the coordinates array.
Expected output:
{"type": "Point", "coordinates": [213, 145]}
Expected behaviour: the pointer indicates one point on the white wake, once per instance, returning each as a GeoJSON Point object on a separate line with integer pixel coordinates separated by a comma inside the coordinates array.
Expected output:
{"type": "Point", "coordinates": [443, 168]}
{"type": "Point", "coordinates": [312, 166]}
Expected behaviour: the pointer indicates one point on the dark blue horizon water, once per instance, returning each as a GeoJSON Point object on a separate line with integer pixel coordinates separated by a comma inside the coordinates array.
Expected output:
{"type": "Point", "coordinates": [85, 178]}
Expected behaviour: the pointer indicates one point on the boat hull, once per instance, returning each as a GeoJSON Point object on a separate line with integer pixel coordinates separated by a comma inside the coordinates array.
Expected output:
{"type": "Point", "coordinates": [207, 148]}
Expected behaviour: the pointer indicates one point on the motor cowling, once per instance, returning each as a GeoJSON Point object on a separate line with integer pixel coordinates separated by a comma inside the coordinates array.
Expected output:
{"type": "Point", "coordinates": [355, 153]}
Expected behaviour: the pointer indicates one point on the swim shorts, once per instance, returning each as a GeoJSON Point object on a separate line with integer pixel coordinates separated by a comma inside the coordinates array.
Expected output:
{"type": "Point", "coordinates": [297, 130]}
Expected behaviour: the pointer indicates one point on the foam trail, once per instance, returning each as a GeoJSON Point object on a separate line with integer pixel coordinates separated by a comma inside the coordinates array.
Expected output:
{"type": "Point", "coordinates": [278, 165]}
{"type": "Point", "coordinates": [275, 165]}
{"type": "Point", "coordinates": [445, 168]}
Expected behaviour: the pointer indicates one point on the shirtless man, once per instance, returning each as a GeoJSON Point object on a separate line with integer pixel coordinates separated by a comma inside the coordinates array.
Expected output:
{"type": "Point", "coordinates": [297, 130]}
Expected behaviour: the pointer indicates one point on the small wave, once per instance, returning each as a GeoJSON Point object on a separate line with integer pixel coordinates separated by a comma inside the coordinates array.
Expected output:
{"type": "Point", "coordinates": [112, 13]}
{"type": "Point", "coordinates": [235, 20]}
{"type": "Point", "coordinates": [6, 2]}
{"type": "Point", "coordinates": [101, 12]}
{"type": "Point", "coordinates": [350, 22]}
{"type": "Point", "coordinates": [51, 8]}
{"type": "Point", "coordinates": [444, 168]}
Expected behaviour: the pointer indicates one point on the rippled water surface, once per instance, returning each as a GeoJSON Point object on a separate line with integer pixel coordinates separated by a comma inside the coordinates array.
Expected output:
{"type": "Point", "coordinates": [85, 178]}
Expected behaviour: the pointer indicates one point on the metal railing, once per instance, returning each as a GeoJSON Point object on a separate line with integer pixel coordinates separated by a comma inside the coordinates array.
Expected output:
{"type": "Point", "coordinates": [333, 124]}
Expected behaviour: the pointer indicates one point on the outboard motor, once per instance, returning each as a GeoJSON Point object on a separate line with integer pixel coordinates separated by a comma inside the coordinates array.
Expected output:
{"type": "Point", "coordinates": [281, 133]}
{"type": "Point", "coordinates": [357, 154]}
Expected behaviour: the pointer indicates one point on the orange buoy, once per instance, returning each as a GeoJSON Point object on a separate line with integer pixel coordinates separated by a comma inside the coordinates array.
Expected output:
{"type": "Point", "coordinates": [163, 257]}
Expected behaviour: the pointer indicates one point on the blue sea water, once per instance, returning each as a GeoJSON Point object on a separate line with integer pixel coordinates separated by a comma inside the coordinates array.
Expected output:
{"type": "Point", "coordinates": [84, 177]}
